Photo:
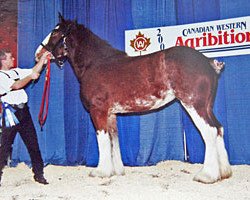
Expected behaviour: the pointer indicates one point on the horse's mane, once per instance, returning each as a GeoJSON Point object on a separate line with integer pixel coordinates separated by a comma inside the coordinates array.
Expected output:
{"type": "Point", "coordinates": [89, 42]}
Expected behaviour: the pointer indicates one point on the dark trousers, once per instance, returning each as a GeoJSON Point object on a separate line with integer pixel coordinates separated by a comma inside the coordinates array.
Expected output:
{"type": "Point", "coordinates": [27, 132]}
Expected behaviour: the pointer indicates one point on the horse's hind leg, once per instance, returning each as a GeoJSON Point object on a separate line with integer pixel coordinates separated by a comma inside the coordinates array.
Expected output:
{"type": "Point", "coordinates": [225, 168]}
{"type": "Point", "coordinates": [216, 160]}
{"type": "Point", "coordinates": [115, 147]}
{"type": "Point", "coordinates": [105, 165]}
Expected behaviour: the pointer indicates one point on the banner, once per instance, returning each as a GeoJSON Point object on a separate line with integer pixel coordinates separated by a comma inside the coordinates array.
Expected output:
{"type": "Point", "coordinates": [214, 39]}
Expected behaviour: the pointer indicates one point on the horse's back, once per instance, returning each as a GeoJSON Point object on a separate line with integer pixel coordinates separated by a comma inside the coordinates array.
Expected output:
{"type": "Point", "coordinates": [126, 79]}
{"type": "Point", "coordinates": [191, 75]}
{"type": "Point", "coordinates": [188, 59]}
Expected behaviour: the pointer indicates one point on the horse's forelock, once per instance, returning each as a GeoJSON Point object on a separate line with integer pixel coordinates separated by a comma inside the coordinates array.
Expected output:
{"type": "Point", "coordinates": [65, 26]}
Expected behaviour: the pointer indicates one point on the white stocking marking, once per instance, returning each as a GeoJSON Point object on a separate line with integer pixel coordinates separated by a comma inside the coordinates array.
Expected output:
{"type": "Point", "coordinates": [105, 165]}
{"type": "Point", "coordinates": [44, 42]}
{"type": "Point", "coordinates": [116, 156]}
{"type": "Point", "coordinates": [225, 168]}
{"type": "Point", "coordinates": [210, 172]}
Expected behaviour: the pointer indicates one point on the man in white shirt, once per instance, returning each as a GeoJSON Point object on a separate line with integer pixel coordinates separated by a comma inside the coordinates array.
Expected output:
{"type": "Point", "coordinates": [12, 94]}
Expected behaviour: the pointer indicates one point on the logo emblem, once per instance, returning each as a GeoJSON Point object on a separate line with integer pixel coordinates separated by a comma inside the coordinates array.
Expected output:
{"type": "Point", "coordinates": [140, 43]}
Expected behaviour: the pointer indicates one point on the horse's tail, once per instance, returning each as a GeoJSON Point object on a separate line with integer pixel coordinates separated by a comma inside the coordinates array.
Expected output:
{"type": "Point", "coordinates": [218, 66]}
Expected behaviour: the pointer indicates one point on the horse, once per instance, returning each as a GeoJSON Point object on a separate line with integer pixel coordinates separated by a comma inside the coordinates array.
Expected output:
{"type": "Point", "coordinates": [113, 83]}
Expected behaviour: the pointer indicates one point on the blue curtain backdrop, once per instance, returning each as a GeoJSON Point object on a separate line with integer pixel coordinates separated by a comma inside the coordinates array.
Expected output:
{"type": "Point", "coordinates": [68, 137]}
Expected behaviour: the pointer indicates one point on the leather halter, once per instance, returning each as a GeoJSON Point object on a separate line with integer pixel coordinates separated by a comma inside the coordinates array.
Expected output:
{"type": "Point", "coordinates": [62, 40]}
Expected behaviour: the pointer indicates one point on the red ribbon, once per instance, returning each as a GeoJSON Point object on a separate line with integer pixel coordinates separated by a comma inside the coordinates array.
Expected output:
{"type": "Point", "coordinates": [45, 98]}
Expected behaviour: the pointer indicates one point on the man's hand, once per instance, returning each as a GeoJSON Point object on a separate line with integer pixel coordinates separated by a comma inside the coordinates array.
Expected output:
{"type": "Point", "coordinates": [45, 56]}
{"type": "Point", "coordinates": [43, 60]}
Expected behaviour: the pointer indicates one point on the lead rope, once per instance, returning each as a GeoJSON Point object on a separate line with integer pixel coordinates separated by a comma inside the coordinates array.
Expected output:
{"type": "Point", "coordinates": [45, 98]}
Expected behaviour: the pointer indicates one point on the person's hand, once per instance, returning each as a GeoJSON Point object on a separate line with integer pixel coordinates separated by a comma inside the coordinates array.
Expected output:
{"type": "Point", "coordinates": [45, 56]}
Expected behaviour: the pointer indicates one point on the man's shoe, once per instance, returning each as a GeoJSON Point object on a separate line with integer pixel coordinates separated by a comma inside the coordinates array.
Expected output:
{"type": "Point", "coordinates": [40, 179]}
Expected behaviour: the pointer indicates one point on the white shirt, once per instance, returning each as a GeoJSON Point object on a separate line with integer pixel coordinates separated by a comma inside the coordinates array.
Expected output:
{"type": "Point", "coordinates": [16, 96]}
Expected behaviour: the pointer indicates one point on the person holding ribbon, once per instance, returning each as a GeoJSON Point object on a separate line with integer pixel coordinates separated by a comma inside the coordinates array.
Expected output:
{"type": "Point", "coordinates": [15, 116]}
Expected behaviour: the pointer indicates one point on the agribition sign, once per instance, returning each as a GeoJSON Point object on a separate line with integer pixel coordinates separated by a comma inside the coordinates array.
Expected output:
{"type": "Point", "coordinates": [214, 39]}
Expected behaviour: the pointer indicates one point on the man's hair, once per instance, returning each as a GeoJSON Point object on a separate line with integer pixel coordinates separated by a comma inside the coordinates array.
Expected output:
{"type": "Point", "coordinates": [3, 55]}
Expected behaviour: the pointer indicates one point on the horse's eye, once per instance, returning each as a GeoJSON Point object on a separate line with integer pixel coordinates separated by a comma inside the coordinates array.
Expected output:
{"type": "Point", "coordinates": [54, 33]}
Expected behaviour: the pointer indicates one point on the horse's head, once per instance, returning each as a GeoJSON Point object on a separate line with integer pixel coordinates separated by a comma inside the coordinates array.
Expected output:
{"type": "Point", "coordinates": [55, 42]}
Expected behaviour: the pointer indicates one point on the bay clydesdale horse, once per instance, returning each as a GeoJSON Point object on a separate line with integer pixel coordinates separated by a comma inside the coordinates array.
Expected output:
{"type": "Point", "coordinates": [113, 83]}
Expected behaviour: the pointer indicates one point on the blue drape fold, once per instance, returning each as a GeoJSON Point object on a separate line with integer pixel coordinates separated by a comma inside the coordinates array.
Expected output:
{"type": "Point", "coordinates": [237, 92]}
{"type": "Point", "coordinates": [35, 20]}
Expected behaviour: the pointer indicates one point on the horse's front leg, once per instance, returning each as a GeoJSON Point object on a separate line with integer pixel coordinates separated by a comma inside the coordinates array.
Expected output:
{"type": "Point", "coordinates": [105, 166]}
{"type": "Point", "coordinates": [115, 147]}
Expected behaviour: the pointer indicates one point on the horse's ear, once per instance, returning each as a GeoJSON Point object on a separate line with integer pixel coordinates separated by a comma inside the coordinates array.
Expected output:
{"type": "Point", "coordinates": [75, 21]}
{"type": "Point", "coordinates": [61, 19]}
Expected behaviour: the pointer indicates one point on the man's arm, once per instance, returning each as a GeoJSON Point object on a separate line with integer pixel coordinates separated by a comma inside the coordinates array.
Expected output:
{"type": "Point", "coordinates": [23, 82]}
{"type": "Point", "coordinates": [34, 75]}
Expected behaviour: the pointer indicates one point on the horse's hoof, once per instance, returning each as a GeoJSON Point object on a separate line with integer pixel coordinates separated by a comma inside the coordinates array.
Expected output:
{"type": "Point", "coordinates": [226, 172]}
{"type": "Point", "coordinates": [120, 172]}
{"type": "Point", "coordinates": [119, 169]}
{"type": "Point", "coordinates": [100, 174]}
{"type": "Point", "coordinates": [203, 177]}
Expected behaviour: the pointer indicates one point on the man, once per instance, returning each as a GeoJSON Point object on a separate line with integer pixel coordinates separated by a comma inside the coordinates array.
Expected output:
{"type": "Point", "coordinates": [13, 96]}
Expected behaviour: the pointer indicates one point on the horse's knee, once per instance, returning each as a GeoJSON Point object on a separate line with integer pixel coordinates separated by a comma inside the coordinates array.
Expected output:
{"type": "Point", "coordinates": [99, 118]}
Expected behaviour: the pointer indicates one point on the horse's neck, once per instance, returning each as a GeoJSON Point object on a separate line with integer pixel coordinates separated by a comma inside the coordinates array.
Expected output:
{"type": "Point", "coordinates": [88, 50]}
{"type": "Point", "coordinates": [95, 47]}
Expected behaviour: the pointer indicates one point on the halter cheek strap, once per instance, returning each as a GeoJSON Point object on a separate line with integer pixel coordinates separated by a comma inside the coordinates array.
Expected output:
{"type": "Point", "coordinates": [63, 40]}
{"type": "Point", "coordinates": [44, 46]}
{"type": "Point", "coordinates": [64, 43]}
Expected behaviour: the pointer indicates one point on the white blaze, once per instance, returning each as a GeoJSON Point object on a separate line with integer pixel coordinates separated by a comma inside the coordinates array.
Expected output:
{"type": "Point", "coordinates": [44, 42]}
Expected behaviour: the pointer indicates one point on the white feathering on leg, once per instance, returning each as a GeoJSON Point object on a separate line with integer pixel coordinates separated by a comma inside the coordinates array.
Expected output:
{"type": "Point", "coordinates": [210, 172]}
{"type": "Point", "coordinates": [225, 168]}
{"type": "Point", "coordinates": [116, 156]}
{"type": "Point", "coordinates": [105, 165]}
